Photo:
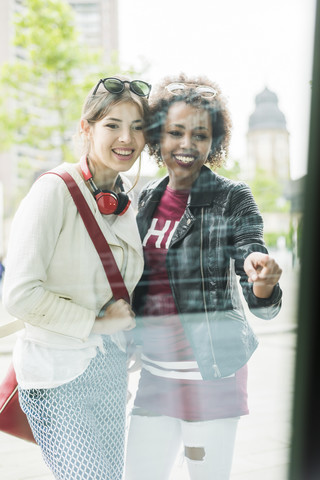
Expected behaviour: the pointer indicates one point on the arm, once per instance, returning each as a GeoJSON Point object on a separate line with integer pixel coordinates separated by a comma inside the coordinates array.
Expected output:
{"type": "Point", "coordinates": [34, 237]}
{"type": "Point", "coordinates": [259, 273]}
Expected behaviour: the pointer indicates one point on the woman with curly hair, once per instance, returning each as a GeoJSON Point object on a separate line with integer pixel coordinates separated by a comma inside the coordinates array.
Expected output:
{"type": "Point", "coordinates": [199, 231]}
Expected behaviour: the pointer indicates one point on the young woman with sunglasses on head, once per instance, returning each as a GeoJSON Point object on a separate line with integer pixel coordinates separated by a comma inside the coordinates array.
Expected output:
{"type": "Point", "coordinates": [199, 230]}
{"type": "Point", "coordinates": [70, 360]}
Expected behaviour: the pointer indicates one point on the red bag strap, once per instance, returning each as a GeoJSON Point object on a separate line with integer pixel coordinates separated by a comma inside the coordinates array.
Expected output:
{"type": "Point", "coordinates": [114, 276]}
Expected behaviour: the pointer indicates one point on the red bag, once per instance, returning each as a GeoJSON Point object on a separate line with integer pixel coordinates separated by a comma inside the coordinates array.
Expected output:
{"type": "Point", "coordinates": [12, 418]}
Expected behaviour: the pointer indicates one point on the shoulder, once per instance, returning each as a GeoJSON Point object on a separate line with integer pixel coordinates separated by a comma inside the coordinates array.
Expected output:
{"type": "Point", "coordinates": [240, 200]}
{"type": "Point", "coordinates": [153, 186]}
{"type": "Point", "coordinates": [234, 196]}
{"type": "Point", "coordinates": [49, 191]}
{"type": "Point", "coordinates": [53, 180]}
{"type": "Point", "coordinates": [223, 189]}
{"type": "Point", "coordinates": [227, 185]}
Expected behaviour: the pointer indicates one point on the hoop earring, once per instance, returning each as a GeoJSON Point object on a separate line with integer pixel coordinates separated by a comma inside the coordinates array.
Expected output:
{"type": "Point", "coordinates": [137, 176]}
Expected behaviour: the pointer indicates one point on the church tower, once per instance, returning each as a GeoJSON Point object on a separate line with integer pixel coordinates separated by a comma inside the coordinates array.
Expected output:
{"type": "Point", "coordinates": [268, 139]}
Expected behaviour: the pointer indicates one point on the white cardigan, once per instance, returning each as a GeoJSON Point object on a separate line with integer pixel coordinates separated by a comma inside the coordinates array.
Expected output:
{"type": "Point", "coordinates": [55, 281]}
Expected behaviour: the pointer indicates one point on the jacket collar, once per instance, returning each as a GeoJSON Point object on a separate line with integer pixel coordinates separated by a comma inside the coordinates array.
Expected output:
{"type": "Point", "coordinates": [202, 190]}
{"type": "Point", "coordinates": [201, 194]}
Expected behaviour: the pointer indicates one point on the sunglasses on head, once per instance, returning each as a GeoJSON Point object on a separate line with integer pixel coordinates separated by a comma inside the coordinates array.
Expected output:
{"type": "Point", "coordinates": [115, 85]}
{"type": "Point", "coordinates": [203, 90]}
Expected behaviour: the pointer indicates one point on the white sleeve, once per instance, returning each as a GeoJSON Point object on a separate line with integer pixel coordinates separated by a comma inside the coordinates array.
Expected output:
{"type": "Point", "coordinates": [34, 234]}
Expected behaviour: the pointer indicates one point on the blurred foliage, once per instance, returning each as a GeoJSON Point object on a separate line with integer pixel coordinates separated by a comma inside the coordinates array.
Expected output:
{"type": "Point", "coordinates": [271, 238]}
{"type": "Point", "coordinates": [162, 171]}
{"type": "Point", "coordinates": [42, 90]}
{"type": "Point", "coordinates": [268, 193]}
{"type": "Point", "coordinates": [232, 171]}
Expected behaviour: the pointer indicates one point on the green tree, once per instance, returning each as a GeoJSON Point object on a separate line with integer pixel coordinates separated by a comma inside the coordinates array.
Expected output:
{"type": "Point", "coordinates": [268, 193]}
{"type": "Point", "coordinates": [43, 88]}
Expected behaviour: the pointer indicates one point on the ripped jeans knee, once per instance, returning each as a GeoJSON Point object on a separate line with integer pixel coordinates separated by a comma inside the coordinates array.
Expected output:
{"type": "Point", "coordinates": [194, 453]}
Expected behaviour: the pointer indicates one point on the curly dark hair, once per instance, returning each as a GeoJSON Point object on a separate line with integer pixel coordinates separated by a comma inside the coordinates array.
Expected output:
{"type": "Point", "coordinates": [161, 100]}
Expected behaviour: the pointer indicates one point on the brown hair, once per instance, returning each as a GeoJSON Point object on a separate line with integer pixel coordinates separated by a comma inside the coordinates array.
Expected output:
{"type": "Point", "coordinates": [161, 100]}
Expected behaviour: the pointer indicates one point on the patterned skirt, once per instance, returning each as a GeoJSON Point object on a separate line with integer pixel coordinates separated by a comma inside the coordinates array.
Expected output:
{"type": "Point", "coordinates": [80, 426]}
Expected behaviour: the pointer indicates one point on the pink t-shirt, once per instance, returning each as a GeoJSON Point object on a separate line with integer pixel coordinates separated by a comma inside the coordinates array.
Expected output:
{"type": "Point", "coordinates": [170, 382]}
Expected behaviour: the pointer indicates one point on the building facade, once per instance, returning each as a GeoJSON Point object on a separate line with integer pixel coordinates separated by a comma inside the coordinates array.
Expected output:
{"type": "Point", "coordinates": [97, 22]}
{"type": "Point", "coordinates": [268, 138]}
{"type": "Point", "coordinates": [268, 151]}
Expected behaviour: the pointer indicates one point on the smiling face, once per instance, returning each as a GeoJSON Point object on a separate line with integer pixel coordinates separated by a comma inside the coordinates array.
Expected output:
{"type": "Point", "coordinates": [116, 141]}
{"type": "Point", "coordinates": [185, 143]}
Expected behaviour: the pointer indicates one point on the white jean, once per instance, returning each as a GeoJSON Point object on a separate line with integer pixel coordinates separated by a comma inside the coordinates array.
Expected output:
{"type": "Point", "coordinates": [154, 443]}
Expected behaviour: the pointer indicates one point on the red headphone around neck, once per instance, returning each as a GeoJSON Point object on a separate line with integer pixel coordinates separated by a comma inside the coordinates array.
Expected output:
{"type": "Point", "coordinates": [108, 202]}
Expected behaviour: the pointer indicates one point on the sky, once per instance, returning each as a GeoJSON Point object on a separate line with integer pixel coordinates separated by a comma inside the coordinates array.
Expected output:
{"type": "Point", "coordinates": [243, 45]}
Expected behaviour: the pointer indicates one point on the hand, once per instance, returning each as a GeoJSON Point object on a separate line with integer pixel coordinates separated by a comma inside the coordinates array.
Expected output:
{"type": "Point", "coordinates": [117, 317]}
{"type": "Point", "coordinates": [263, 271]}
